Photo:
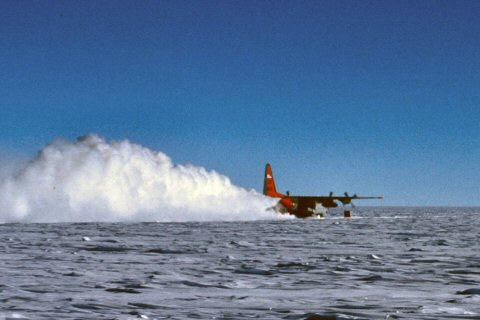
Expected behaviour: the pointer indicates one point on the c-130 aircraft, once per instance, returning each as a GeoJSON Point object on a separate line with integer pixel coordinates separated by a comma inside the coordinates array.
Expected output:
{"type": "Point", "coordinates": [306, 206]}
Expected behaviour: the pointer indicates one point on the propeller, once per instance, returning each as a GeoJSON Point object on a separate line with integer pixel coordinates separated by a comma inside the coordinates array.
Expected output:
{"type": "Point", "coordinates": [349, 199]}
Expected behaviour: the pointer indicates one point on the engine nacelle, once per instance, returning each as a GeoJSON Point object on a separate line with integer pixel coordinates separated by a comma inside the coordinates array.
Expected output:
{"type": "Point", "coordinates": [329, 204]}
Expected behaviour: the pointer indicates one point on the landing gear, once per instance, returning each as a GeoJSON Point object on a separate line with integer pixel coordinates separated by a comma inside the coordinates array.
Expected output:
{"type": "Point", "coordinates": [347, 213]}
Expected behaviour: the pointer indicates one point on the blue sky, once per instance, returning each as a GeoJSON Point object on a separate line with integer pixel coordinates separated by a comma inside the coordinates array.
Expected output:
{"type": "Point", "coordinates": [370, 97]}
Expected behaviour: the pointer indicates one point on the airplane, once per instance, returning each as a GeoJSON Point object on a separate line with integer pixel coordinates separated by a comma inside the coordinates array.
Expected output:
{"type": "Point", "coordinates": [305, 206]}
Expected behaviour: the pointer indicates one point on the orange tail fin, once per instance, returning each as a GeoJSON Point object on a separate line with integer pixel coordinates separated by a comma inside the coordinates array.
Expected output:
{"type": "Point", "coordinates": [269, 183]}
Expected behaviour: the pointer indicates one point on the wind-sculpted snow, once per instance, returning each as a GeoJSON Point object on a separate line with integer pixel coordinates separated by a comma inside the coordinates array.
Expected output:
{"type": "Point", "coordinates": [384, 263]}
{"type": "Point", "coordinates": [93, 180]}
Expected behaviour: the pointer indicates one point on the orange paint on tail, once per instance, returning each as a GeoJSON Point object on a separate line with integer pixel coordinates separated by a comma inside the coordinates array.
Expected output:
{"type": "Point", "coordinates": [269, 184]}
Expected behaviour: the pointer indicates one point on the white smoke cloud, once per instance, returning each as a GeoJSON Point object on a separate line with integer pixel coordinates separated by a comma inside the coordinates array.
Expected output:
{"type": "Point", "coordinates": [92, 180]}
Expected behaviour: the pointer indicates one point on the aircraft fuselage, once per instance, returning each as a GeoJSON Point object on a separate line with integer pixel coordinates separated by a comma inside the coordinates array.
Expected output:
{"type": "Point", "coordinates": [304, 206]}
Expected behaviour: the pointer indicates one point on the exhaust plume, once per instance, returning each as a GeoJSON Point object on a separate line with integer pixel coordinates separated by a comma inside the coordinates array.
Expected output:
{"type": "Point", "coordinates": [92, 180]}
